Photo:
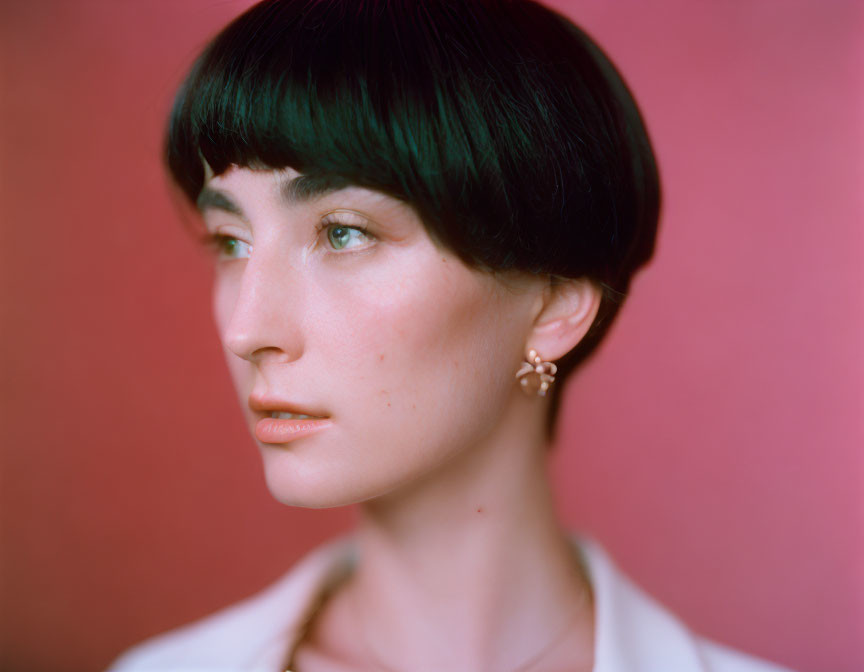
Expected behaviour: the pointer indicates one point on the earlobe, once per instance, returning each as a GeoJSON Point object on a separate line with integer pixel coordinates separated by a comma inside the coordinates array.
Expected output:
{"type": "Point", "coordinates": [569, 308]}
{"type": "Point", "coordinates": [536, 376]}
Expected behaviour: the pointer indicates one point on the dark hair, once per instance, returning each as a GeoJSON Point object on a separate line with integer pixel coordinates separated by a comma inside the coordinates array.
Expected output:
{"type": "Point", "coordinates": [501, 122]}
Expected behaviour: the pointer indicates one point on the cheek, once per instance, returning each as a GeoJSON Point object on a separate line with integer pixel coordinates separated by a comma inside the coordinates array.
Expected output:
{"type": "Point", "coordinates": [420, 346]}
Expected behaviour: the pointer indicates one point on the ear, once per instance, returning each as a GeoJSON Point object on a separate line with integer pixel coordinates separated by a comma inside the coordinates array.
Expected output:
{"type": "Point", "coordinates": [567, 309]}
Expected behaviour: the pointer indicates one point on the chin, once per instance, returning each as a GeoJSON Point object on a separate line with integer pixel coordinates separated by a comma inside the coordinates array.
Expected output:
{"type": "Point", "coordinates": [310, 502]}
{"type": "Point", "coordinates": [292, 490]}
{"type": "Point", "coordinates": [292, 483]}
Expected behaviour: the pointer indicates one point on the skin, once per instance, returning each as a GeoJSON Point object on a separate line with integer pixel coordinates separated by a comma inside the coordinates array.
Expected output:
{"type": "Point", "coordinates": [413, 356]}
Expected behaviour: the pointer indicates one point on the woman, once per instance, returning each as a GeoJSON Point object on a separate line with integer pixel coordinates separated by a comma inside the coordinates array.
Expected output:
{"type": "Point", "coordinates": [423, 217]}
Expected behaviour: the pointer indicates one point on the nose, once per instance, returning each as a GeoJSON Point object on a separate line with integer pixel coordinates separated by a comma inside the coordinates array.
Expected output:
{"type": "Point", "coordinates": [263, 302]}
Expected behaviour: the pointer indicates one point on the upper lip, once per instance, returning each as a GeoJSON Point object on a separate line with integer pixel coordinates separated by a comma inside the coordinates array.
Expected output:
{"type": "Point", "coordinates": [265, 404]}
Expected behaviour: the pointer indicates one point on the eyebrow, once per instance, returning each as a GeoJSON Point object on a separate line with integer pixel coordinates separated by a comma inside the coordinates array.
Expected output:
{"type": "Point", "coordinates": [309, 187]}
{"type": "Point", "coordinates": [300, 189]}
{"type": "Point", "coordinates": [213, 199]}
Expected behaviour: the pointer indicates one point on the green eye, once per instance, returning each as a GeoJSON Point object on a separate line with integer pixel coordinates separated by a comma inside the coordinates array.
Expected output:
{"type": "Point", "coordinates": [227, 247]}
{"type": "Point", "coordinates": [340, 237]}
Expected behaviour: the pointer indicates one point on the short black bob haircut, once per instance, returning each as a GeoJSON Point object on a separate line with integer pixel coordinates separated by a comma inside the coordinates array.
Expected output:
{"type": "Point", "coordinates": [505, 127]}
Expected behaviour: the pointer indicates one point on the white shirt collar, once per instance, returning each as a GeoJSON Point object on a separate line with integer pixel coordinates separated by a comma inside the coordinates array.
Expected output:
{"type": "Point", "coordinates": [633, 632]}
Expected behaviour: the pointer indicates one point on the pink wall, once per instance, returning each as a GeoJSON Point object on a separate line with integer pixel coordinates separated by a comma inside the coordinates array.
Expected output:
{"type": "Point", "coordinates": [714, 446]}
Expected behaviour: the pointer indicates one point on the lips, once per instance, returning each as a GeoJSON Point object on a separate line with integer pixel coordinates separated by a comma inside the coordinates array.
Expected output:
{"type": "Point", "coordinates": [272, 430]}
{"type": "Point", "coordinates": [267, 405]}
{"type": "Point", "coordinates": [284, 430]}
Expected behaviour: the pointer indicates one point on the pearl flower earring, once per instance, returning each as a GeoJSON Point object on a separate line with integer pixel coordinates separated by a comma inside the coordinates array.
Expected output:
{"type": "Point", "coordinates": [536, 375]}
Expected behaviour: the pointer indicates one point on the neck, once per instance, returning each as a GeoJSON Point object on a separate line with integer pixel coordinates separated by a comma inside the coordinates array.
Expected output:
{"type": "Point", "coordinates": [470, 569]}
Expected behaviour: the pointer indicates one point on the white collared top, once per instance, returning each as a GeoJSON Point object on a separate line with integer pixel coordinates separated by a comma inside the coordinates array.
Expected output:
{"type": "Point", "coordinates": [633, 632]}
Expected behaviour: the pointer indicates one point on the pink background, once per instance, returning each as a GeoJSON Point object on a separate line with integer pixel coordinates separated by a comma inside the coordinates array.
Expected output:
{"type": "Point", "coordinates": [714, 445]}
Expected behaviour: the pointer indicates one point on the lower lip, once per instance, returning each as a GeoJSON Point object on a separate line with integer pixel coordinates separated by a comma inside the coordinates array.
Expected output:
{"type": "Point", "coordinates": [277, 430]}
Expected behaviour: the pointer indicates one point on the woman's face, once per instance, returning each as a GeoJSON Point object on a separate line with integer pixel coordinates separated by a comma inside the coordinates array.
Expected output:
{"type": "Point", "coordinates": [409, 353]}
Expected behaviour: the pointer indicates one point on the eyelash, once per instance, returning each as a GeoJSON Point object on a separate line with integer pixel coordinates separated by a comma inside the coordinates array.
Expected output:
{"type": "Point", "coordinates": [216, 242]}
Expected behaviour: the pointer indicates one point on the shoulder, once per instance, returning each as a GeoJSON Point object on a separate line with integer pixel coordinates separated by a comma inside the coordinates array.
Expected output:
{"type": "Point", "coordinates": [219, 639]}
{"type": "Point", "coordinates": [635, 632]}
{"type": "Point", "coordinates": [721, 658]}
{"type": "Point", "coordinates": [250, 635]}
